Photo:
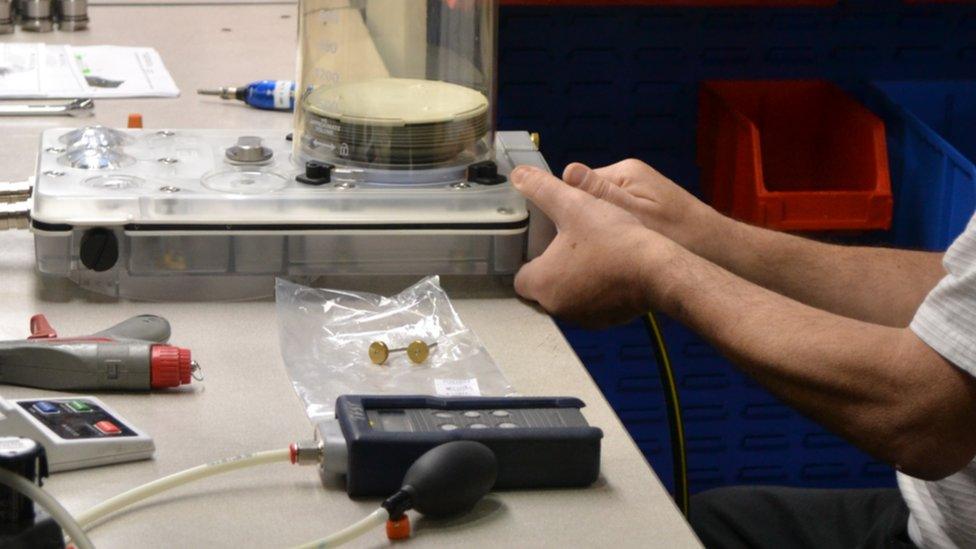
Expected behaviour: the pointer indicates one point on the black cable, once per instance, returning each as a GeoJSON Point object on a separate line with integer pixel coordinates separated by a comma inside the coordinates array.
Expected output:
{"type": "Point", "coordinates": [679, 453]}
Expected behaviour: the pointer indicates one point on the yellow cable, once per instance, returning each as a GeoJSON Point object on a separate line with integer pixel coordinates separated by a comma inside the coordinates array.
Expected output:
{"type": "Point", "coordinates": [668, 379]}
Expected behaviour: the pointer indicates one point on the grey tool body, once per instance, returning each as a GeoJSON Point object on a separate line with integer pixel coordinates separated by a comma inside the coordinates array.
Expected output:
{"type": "Point", "coordinates": [130, 356]}
{"type": "Point", "coordinates": [76, 366]}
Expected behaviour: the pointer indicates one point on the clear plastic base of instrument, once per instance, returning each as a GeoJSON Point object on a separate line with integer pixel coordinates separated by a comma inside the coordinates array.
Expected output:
{"type": "Point", "coordinates": [183, 219]}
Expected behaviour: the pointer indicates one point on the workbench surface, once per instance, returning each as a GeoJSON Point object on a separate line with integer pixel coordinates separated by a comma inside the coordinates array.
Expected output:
{"type": "Point", "coordinates": [246, 402]}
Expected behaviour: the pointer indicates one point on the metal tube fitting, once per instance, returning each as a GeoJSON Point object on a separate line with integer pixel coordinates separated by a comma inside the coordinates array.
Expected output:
{"type": "Point", "coordinates": [36, 16]}
{"type": "Point", "coordinates": [15, 215]}
{"type": "Point", "coordinates": [72, 15]}
{"type": "Point", "coordinates": [307, 453]}
{"type": "Point", "coordinates": [16, 191]}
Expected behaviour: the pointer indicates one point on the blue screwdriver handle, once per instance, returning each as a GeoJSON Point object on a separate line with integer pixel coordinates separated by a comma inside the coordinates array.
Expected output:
{"type": "Point", "coordinates": [276, 95]}
{"type": "Point", "coordinates": [268, 95]}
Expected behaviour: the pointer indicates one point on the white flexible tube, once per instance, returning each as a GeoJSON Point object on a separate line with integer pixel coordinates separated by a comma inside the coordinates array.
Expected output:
{"type": "Point", "coordinates": [349, 533]}
{"type": "Point", "coordinates": [199, 472]}
{"type": "Point", "coordinates": [55, 509]}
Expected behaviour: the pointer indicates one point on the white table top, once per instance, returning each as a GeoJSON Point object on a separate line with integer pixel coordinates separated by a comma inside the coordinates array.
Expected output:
{"type": "Point", "coordinates": [246, 402]}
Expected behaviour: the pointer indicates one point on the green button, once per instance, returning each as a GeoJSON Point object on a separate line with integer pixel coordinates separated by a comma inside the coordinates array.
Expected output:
{"type": "Point", "coordinates": [79, 406]}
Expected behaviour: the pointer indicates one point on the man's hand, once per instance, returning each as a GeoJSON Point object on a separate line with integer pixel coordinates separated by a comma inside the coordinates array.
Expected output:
{"type": "Point", "coordinates": [659, 203]}
{"type": "Point", "coordinates": [842, 279]}
{"type": "Point", "coordinates": [595, 272]}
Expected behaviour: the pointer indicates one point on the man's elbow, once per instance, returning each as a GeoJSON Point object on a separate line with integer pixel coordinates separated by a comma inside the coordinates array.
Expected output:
{"type": "Point", "coordinates": [931, 430]}
{"type": "Point", "coordinates": [933, 452]}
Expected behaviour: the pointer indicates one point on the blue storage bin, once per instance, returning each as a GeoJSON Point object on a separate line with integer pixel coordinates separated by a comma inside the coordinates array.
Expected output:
{"type": "Point", "coordinates": [931, 129]}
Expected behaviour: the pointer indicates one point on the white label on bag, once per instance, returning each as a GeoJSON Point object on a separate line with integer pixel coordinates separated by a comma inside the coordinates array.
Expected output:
{"type": "Point", "coordinates": [457, 387]}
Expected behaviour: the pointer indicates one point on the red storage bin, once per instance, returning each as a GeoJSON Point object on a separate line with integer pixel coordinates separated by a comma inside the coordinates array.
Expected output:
{"type": "Point", "coordinates": [793, 155]}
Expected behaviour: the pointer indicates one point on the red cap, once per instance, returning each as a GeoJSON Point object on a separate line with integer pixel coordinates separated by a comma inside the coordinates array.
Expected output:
{"type": "Point", "coordinates": [169, 366]}
{"type": "Point", "coordinates": [135, 121]}
{"type": "Point", "coordinates": [398, 529]}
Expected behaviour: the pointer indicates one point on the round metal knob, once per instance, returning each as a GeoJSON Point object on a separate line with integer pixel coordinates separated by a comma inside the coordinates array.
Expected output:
{"type": "Point", "coordinates": [249, 150]}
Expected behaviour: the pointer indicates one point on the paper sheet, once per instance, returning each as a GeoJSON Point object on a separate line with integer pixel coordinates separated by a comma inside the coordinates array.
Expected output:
{"type": "Point", "coordinates": [45, 71]}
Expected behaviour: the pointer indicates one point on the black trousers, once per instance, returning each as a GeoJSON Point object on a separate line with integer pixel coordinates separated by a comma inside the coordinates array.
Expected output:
{"type": "Point", "coordinates": [775, 517]}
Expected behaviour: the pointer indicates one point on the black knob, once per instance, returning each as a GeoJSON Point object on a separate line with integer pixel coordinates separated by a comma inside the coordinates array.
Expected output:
{"type": "Point", "coordinates": [99, 250]}
{"type": "Point", "coordinates": [485, 172]}
{"type": "Point", "coordinates": [316, 173]}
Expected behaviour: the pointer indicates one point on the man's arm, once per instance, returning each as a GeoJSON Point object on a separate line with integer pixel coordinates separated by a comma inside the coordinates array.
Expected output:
{"type": "Point", "coordinates": [879, 285]}
{"type": "Point", "coordinates": [879, 387]}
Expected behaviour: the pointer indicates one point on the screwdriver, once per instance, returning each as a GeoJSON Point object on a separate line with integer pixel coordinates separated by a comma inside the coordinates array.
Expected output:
{"type": "Point", "coordinates": [269, 95]}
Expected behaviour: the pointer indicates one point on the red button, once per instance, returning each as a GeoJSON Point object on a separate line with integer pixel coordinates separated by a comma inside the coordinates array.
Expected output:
{"type": "Point", "coordinates": [108, 428]}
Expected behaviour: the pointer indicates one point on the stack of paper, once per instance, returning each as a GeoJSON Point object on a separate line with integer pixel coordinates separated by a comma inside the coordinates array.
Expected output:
{"type": "Point", "coordinates": [57, 71]}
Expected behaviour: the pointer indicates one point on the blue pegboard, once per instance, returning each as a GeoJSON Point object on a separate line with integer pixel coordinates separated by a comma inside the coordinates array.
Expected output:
{"type": "Point", "coordinates": [736, 432]}
{"type": "Point", "coordinates": [603, 84]}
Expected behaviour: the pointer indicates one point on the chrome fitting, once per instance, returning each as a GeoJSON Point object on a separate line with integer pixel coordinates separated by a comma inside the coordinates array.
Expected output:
{"type": "Point", "coordinates": [14, 215]}
{"type": "Point", "coordinates": [16, 191]}
{"type": "Point", "coordinates": [336, 453]}
{"type": "Point", "coordinates": [309, 452]}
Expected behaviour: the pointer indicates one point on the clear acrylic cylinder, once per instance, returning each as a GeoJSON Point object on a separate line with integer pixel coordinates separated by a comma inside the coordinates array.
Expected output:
{"type": "Point", "coordinates": [396, 84]}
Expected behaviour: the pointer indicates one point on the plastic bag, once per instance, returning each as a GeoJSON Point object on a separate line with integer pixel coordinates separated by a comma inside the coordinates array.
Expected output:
{"type": "Point", "coordinates": [325, 336]}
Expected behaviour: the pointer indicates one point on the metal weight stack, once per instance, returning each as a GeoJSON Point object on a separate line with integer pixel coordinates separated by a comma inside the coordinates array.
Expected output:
{"type": "Point", "coordinates": [429, 122]}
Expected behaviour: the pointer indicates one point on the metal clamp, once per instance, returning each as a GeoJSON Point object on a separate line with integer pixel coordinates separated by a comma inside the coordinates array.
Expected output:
{"type": "Point", "coordinates": [75, 107]}
{"type": "Point", "coordinates": [15, 215]}
{"type": "Point", "coordinates": [16, 191]}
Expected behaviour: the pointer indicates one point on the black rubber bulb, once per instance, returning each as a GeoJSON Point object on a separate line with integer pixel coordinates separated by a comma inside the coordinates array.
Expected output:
{"type": "Point", "coordinates": [447, 480]}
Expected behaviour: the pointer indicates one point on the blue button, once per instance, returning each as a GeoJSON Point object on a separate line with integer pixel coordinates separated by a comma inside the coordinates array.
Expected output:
{"type": "Point", "coordinates": [46, 407]}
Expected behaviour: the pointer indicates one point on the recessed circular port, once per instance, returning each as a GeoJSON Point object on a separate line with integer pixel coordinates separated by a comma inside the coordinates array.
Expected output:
{"type": "Point", "coordinates": [119, 182]}
{"type": "Point", "coordinates": [244, 182]}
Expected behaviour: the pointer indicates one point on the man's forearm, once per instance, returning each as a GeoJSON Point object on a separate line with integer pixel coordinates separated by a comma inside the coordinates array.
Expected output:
{"type": "Point", "coordinates": [879, 285]}
{"type": "Point", "coordinates": [860, 380]}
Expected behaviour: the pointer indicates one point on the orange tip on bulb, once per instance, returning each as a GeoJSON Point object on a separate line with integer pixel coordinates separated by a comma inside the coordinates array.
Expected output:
{"type": "Point", "coordinates": [135, 121]}
{"type": "Point", "coordinates": [398, 529]}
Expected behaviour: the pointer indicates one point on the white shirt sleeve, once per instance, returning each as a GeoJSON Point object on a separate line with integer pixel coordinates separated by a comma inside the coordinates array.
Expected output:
{"type": "Point", "coordinates": [946, 321]}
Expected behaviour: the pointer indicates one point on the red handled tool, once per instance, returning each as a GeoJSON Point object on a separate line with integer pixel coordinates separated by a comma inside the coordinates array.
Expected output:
{"type": "Point", "coordinates": [130, 356]}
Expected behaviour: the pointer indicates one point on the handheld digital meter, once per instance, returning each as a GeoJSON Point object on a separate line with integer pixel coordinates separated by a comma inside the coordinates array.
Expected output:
{"type": "Point", "coordinates": [76, 432]}
{"type": "Point", "coordinates": [538, 442]}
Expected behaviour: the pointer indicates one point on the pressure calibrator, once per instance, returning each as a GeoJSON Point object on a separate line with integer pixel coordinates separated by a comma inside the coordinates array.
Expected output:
{"type": "Point", "coordinates": [538, 442]}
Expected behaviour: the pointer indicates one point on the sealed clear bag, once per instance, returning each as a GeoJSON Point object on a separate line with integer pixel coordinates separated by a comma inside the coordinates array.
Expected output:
{"type": "Point", "coordinates": [326, 334]}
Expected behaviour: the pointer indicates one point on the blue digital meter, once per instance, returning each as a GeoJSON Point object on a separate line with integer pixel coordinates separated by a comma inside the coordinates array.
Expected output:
{"type": "Point", "coordinates": [538, 442]}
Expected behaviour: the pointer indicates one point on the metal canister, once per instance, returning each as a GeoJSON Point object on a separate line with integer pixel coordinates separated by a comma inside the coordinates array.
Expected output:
{"type": "Point", "coordinates": [27, 458]}
{"type": "Point", "coordinates": [72, 15]}
{"type": "Point", "coordinates": [36, 16]}
{"type": "Point", "coordinates": [6, 16]}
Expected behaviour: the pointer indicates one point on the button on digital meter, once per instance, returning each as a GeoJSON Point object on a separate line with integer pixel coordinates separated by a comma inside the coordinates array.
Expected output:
{"type": "Point", "coordinates": [108, 428]}
{"type": "Point", "coordinates": [46, 408]}
{"type": "Point", "coordinates": [79, 406]}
